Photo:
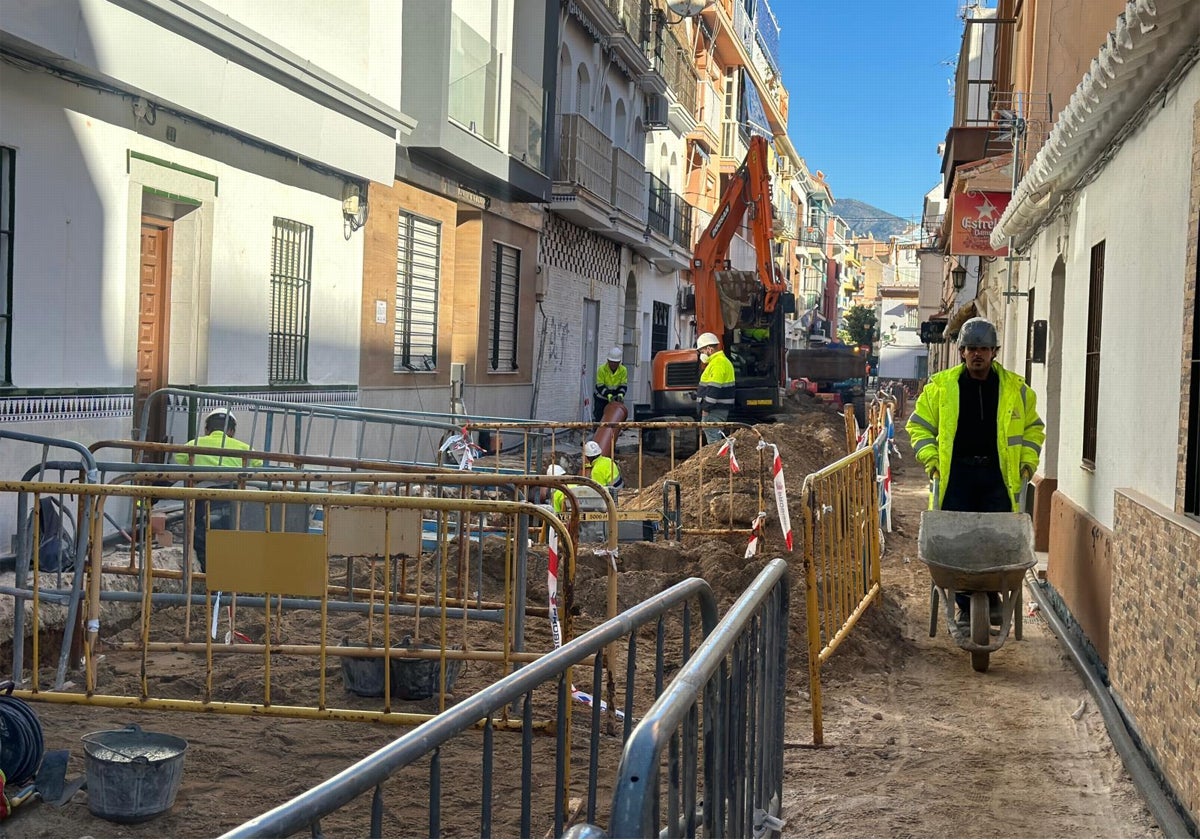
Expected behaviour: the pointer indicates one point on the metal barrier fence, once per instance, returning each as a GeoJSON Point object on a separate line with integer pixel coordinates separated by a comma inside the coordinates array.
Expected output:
{"type": "Point", "coordinates": [307, 429]}
{"type": "Point", "coordinates": [841, 553]}
{"type": "Point", "coordinates": [466, 733]}
{"type": "Point", "coordinates": [378, 537]}
{"type": "Point", "coordinates": [740, 670]}
{"type": "Point", "coordinates": [512, 446]}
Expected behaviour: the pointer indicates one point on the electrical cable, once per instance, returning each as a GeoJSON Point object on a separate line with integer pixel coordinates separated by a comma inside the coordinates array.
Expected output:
{"type": "Point", "coordinates": [21, 742]}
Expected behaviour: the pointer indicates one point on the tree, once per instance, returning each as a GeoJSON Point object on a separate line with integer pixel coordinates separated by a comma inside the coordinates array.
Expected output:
{"type": "Point", "coordinates": [858, 326]}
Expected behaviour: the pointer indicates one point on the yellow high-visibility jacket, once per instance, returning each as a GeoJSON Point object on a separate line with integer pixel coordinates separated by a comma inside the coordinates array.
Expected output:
{"type": "Point", "coordinates": [717, 386]}
{"type": "Point", "coordinates": [605, 472]}
{"type": "Point", "coordinates": [1019, 431]}
{"type": "Point", "coordinates": [217, 440]}
{"type": "Point", "coordinates": [611, 384]}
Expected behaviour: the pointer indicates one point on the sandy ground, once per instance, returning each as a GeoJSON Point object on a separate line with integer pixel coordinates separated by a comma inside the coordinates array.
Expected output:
{"type": "Point", "coordinates": [916, 742]}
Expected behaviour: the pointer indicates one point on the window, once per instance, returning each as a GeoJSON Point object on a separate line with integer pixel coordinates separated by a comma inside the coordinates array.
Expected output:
{"type": "Point", "coordinates": [660, 329]}
{"type": "Point", "coordinates": [418, 267]}
{"type": "Point", "coordinates": [8, 159]}
{"type": "Point", "coordinates": [291, 280]}
{"type": "Point", "coordinates": [477, 32]}
{"type": "Point", "coordinates": [1091, 392]}
{"type": "Point", "coordinates": [502, 321]}
{"type": "Point", "coordinates": [1191, 483]}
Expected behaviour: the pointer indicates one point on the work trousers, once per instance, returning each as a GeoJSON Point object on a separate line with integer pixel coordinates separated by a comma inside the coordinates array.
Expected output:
{"type": "Point", "coordinates": [207, 515]}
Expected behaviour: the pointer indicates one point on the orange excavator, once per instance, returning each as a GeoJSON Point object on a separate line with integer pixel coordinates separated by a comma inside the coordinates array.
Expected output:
{"type": "Point", "coordinates": [745, 308]}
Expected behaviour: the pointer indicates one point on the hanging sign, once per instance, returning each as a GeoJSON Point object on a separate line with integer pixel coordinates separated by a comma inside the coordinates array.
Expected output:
{"type": "Point", "coordinates": [973, 218]}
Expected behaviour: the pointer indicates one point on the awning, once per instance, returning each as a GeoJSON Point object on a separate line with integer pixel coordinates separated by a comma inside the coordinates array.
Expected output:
{"type": "Point", "coordinates": [957, 318]}
{"type": "Point", "coordinates": [898, 310]}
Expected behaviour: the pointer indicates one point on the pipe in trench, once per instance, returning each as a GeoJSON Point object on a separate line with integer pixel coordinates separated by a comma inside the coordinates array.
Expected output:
{"type": "Point", "coordinates": [1161, 808]}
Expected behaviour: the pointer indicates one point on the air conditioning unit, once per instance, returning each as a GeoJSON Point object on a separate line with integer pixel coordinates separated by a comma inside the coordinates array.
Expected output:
{"type": "Point", "coordinates": [656, 111]}
{"type": "Point", "coordinates": [687, 300]}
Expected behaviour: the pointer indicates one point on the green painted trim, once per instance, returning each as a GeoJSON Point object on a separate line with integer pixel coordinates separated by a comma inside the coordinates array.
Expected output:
{"type": "Point", "coordinates": [169, 196]}
{"type": "Point", "coordinates": [187, 170]}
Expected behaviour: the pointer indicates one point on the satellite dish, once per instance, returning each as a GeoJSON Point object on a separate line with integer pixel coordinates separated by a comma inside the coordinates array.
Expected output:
{"type": "Point", "coordinates": [688, 8]}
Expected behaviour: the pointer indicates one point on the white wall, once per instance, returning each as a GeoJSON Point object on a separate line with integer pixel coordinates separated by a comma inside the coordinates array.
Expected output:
{"type": "Point", "coordinates": [1139, 207]}
{"type": "Point", "coordinates": [562, 356]}
{"type": "Point", "coordinates": [75, 270]}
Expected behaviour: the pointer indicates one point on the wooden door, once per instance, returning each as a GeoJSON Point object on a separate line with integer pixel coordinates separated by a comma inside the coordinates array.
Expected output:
{"type": "Point", "coordinates": [153, 324]}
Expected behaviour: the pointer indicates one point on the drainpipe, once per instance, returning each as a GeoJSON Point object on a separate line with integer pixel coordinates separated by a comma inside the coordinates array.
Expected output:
{"type": "Point", "coordinates": [537, 368]}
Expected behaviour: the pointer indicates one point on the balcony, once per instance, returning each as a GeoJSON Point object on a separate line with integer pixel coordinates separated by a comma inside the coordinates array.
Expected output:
{"type": "Point", "coordinates": [666, 240]}
{"type": "Point", "coordinates": [681, 231]}
{"type": "Point", "coordinates": [625, 25]}
{"type": "Point", "coordinates": [583, 182]}
{"type": "Point", "coordinates": [584, 156]}
{"type": "Point", "coordinates": [678, 69]}
{"type": "Point", "coordinates": [628, 185]}
{"type": "Point", "coordinates": [659, 212]}
{"type": "Point", "coordinates": [708, 118]}
{"type": "Point", "coordinates": [733, 146]}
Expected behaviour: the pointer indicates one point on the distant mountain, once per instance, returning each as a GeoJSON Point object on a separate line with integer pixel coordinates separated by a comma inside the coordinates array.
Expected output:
{"type": "Point", "coordinates": [862, 218]}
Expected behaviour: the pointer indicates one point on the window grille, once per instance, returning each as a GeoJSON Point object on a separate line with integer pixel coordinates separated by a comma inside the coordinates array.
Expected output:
{"type": "Point", "coordinates": [660, 327]}
{"type": "Point", "coordinates": [418, 271]}
{"type": "Point", "coordinates": [502, 325]}
{"type": "Point", "coordinates": [291, 282]}
{"type": "Point", "coordinates": [1091, 392]}
{"type": "Point", "coordinates": [8, 159]}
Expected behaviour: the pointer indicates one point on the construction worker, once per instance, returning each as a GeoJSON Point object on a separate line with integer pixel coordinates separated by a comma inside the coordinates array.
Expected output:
{"type": "Point", "coordinates": [716, 391]}
{"type": "Point", "coordinates": [976, 428]}
{"type": "Point", "coordinates": [612, 380]}
{"type": "Point", "coordinates": [604, 470]}
{"type": "Point", "coordinates": [558, 499]}
{"type": "Point", "coordinates": [219, 428]}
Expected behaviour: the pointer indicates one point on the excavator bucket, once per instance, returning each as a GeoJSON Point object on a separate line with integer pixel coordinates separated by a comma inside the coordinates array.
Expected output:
{"type": "Point", "coordinates": [736, 289]}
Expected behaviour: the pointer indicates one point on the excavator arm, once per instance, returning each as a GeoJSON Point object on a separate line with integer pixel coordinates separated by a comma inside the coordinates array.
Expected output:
{"type": "Point", "coordinates": [748, 196]}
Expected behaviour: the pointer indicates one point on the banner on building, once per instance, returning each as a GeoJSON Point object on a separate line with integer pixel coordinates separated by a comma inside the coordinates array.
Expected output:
{"type": "Point", "coordinates": [975, 214]}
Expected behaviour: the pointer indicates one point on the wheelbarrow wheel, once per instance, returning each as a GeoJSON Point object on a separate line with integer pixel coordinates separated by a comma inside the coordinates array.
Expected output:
{"type": "Point", "coordinates": [980, 633]}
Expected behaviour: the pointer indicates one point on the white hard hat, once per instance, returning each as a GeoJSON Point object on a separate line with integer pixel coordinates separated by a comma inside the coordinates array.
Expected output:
{"type": "Point", "coordinates": [223, 415]}
{"type": "Point", "coordinates": [615, 354]}
{"type": "Point", "coordinates": [707, 340]}
{"type": "Point", "coordinates": [555, 469]}
{"type": "Point", "coordinates": [592, 449]}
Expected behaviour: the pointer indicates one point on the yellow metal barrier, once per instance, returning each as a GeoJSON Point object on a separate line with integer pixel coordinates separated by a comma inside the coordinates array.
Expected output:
{"type": "Point", "coordinates": [293, 573]}
{"type": "Point", "coordinates": [841, 559]}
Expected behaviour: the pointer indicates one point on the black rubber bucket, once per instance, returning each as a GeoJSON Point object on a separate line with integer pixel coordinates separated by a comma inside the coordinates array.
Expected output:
{"type": "Point", "coordinates": [412, 678]}
{"type": "Point", "coordinates": [132, 775]}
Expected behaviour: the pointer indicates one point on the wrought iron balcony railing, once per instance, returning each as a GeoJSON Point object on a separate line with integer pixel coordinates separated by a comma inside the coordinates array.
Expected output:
{"type": "Point", "coordinates": [585, 156]}
{"type": "Point", "coordinates": [658, 215]}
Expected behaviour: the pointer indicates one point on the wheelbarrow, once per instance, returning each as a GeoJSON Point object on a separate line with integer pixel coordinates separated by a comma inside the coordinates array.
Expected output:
{"type": "Point", "coordinates": [976, 553]}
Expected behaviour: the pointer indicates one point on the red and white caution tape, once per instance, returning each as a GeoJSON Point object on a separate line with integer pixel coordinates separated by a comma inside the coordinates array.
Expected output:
{"type": "Point", "coordinates": [555, 627]}
{"type": "Point", "coordinates": [755, 535]}
{"type": "Point", "coordinates": [727, 447]}
{"type": "Point", "coordinates": [552, 585]}
{"type": "Point", "coordinates": [781, 502]}
{"type": "Point", "coordinates": [462, 447]}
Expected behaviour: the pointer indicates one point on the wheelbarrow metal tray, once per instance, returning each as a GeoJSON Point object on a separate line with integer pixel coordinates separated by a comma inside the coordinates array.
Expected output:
{"type": "Point", "coordinates": [972, 552]}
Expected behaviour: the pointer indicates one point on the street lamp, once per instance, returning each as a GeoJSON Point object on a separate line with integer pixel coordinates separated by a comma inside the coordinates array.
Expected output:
{"type": "Point", "coordinates": [958, 276]}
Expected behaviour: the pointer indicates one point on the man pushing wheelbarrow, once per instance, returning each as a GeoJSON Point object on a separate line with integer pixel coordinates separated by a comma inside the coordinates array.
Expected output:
{"type": "Point", "coordinates": [976, 431]}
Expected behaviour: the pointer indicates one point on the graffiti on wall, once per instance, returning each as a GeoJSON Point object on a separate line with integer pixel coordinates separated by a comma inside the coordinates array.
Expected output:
{"type": "Point", "coordinates": [557, 333]}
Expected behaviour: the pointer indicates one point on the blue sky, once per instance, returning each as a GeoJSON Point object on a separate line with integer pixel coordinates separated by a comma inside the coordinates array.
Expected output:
{"type": "Point", "coordinates": [870, 87]}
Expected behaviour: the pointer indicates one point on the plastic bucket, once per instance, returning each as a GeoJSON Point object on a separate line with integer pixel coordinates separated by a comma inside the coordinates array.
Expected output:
{"type": "Point", "coordinates": [132, 775]}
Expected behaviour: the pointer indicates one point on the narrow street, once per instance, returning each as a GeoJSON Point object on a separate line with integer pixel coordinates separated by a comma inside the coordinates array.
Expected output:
{"type": "Point", "coordinates": [917, 744]}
